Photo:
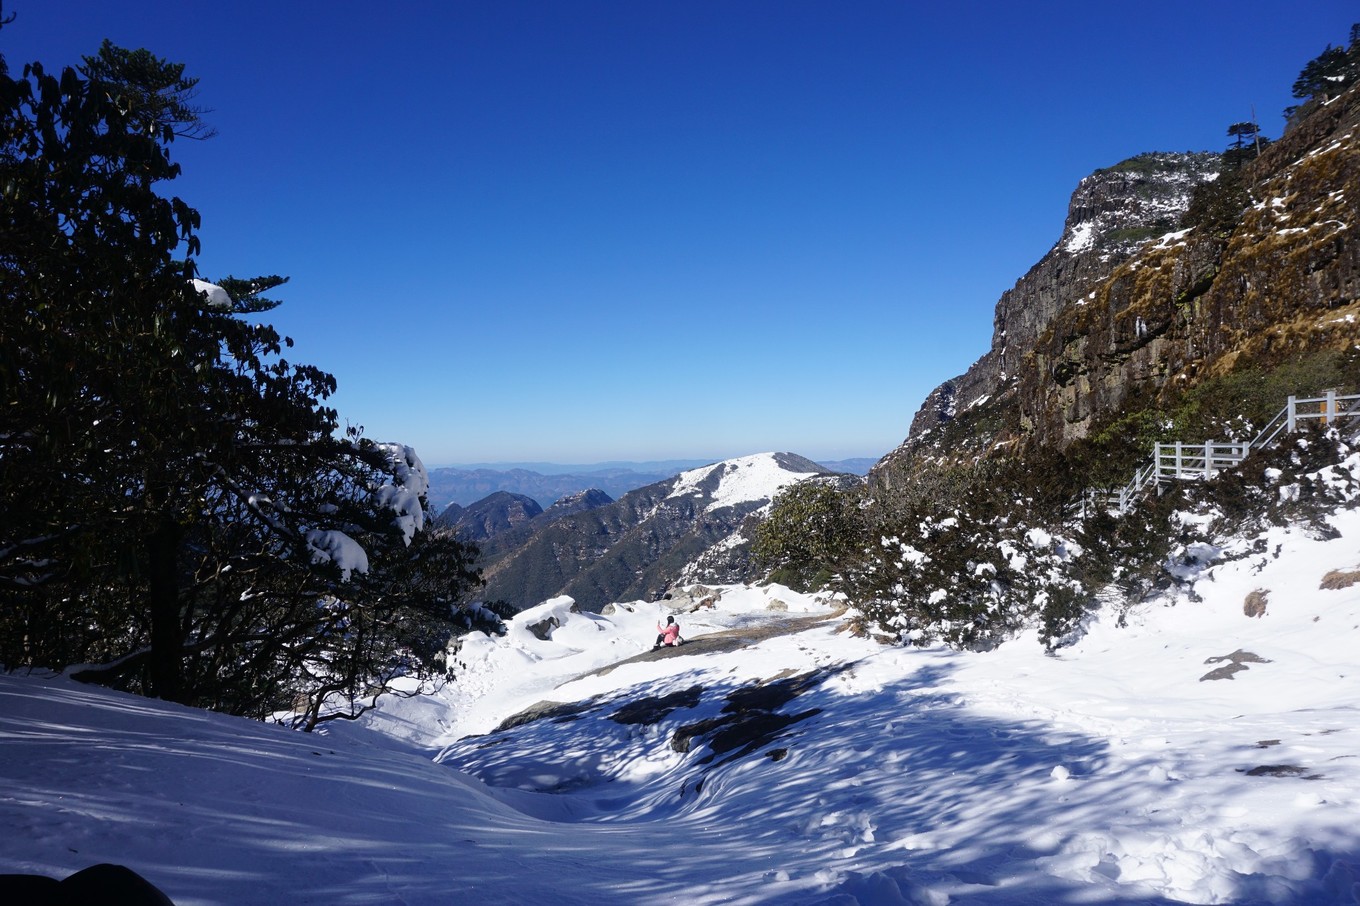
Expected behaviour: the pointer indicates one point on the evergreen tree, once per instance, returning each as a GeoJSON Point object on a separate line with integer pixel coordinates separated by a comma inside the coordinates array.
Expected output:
{"type": "Point", "coordinates": [179, 509]}
{"type": "Point", "coordinates": [154, 94]}
{"type": "Point", "coordinates": [1247, 145]}
{"type": "Point", "coordinates": [1330, 72]}
{"type": "Point", "coordinates": [1242, 132]}
{"type": "Point", "coordinates": [812, 528]}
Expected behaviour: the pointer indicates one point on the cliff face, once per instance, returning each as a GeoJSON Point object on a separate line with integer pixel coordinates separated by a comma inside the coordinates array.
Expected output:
{"type": "Point", "coordinates": [1284, 282]}
{"type": "Point", "coordinates": [1126, 303]}
{"type": "Point", "coordinates": [1111, 213]}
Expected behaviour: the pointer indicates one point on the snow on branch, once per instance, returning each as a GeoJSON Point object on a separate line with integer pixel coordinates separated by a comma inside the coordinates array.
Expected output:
{"type": "Point", "coordinates": [217, 297]}
{"type": "Point", "coordinates": [334, 546]}
{"type": "Point", "coordinates": [404, 497]}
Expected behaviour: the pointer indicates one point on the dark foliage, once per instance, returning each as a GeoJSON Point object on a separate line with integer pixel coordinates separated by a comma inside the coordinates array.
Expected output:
{"type": "Point", "coordinates": [1327, 75]}
{"type": "Point", "coordinates": [173, 488]}
{"type": "Point", "coordinates": [812, 529]}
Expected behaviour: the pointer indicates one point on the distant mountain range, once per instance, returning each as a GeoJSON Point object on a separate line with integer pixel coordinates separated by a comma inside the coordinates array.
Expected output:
{"type": "Point", "coordinates": [684, 528]}
{"type": "Point", "coordinates": [547, 482]}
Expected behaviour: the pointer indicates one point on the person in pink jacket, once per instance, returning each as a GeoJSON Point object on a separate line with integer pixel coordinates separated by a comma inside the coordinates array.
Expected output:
{"type": "Point", "coordinates": [668, 634]}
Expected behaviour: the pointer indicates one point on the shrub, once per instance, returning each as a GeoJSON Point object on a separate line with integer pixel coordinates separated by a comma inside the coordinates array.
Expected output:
{"type": "Point", "coordinates": [812, 528]}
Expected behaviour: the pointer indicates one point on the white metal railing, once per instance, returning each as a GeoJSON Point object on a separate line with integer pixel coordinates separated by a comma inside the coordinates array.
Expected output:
{"type": "Point", "coordinates": [1180, 461]}
{"type": "Point", "coordinates": [1328, 408]}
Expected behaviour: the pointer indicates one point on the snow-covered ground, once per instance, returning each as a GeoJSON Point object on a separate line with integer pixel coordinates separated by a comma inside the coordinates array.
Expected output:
{"type": "Point", "coordinates": [1118, 770]}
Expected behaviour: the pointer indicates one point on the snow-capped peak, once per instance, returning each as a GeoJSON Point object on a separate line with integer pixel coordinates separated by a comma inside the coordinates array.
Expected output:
{"type": "Point", "coordinates": [747, 479]}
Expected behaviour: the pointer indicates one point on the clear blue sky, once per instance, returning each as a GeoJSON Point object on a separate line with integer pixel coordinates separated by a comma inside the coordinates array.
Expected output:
{"type": "Point", "coordinates": [575, 231]}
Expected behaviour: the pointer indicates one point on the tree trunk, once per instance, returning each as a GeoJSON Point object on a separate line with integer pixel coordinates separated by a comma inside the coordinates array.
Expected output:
{"type": "Point", "coordinates": [167, 664]}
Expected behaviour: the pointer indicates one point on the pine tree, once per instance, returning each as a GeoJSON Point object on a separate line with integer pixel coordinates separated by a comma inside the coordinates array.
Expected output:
{"type": "Point", "coordinates": [180, 509]}
{"type": "Point", "coordinates": [1242, 132]}
{"type": "Point", "coordinates": [1328, 74]}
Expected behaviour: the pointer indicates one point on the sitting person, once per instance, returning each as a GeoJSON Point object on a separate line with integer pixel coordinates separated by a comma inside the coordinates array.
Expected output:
{"type": "Point", "coordinates": [668, 634]}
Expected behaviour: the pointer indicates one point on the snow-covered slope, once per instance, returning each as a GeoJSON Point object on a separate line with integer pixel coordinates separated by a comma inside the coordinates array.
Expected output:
{"type": "Point", "coordinates": [1182, 751]}
{"type": "Point", "coordinates": [754, 479]}
{"type": "Point", "coordinates": [686, 528]}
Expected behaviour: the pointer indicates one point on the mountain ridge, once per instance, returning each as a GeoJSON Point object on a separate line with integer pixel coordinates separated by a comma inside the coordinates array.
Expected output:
{"type": "Point", "coordinates": [644, 542]}
{"type": "Point", "coordinates": [466, 485]}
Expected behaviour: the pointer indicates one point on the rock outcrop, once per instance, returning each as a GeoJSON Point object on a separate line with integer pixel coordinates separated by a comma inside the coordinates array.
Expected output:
{"type": "Point", "coordinates": [1282, 283]}
{"type": "Point", "coordinates": [1111, 214]}
{"type": "Point", "coordinates": [1137, 300]}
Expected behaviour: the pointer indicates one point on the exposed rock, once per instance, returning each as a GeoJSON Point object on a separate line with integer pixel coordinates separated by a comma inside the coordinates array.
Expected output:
{"type": "Point", "coordinates": [749, 719]}
{"type": "Point", "coordinates": [653, 709]}
{"type": "Point", "coordinates": [1236, 663]}
{"type": "Point", "coordinates": [1281, 770]}
{"type": "Point", "coordinates": [1111, 214]}
{"type": "Point", "coordinates": [542, 630]}
{"type": "Point", "coordinates": [1285, 282]}
{"type": "Point", "coordinates": [727, 639]}
{"type": "Point", "coordinates": [556, 711]}
{"type": "Point", "coordinates": [1110, 316]}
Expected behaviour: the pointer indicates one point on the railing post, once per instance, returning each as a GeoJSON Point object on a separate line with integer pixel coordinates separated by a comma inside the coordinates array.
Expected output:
{"type": "Point", "coordinates": [1330, 417]}
{"type": "Point", "coordinates": [1178, 460]}
{"type": "Point", "coordinates": [1289, 419]}
{"type": "Point", "coordinates": [1208, 459]}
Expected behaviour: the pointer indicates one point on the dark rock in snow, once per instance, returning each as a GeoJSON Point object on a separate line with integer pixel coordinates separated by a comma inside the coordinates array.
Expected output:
{"type": "Point", "coordinates": [1237, 662]}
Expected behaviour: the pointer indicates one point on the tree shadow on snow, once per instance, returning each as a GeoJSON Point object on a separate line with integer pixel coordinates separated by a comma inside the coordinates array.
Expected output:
{"type": "Point", "coordinates": [896, 794]}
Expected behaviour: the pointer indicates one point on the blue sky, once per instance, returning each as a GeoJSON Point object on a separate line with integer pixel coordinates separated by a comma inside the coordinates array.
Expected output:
{"type": "Point", "coordinates": [578, 231]}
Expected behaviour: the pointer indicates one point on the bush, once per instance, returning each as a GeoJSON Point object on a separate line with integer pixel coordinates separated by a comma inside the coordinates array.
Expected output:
{"type": "Point", "coordinates": [974, 564]}
{"type": "Point", "coordinates": [811, 530]}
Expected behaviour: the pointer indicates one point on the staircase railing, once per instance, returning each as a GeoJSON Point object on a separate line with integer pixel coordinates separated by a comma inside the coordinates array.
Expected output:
{"type": "Point", "coordinates": [1179, 461]}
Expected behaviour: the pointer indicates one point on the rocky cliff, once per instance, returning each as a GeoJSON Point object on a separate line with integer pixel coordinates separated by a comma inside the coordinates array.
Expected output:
{"type": "Point", "coordinates": [1280, 283]}
{"type": "Point", "coordinates": [1143, 297]}
{"type": "Point", "coordinates": [1111, 214]}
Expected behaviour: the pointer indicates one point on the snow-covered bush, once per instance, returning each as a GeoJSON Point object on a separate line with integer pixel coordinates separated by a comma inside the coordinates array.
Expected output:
{"type": "Point", "coordinates": [1299, 482]}
{"type": "Point", "coordinates": [968, 578]}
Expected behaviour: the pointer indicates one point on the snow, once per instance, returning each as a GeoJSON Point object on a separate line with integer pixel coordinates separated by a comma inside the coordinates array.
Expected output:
{"type": "Point", "coordinates": [217, 297]}
{"type": "Point", "coordinates": [334, 546]}
{"type": "Point", "coordinates": [403, 497]}
{"type": "Point", "coordinates": [1171, 240]}
{"type": "Point", "coordinates": [1083, 237]}
{"type": "Point", "coordinates": [1179, 752]}
{"type": "Point", "coordinates": [744, 480]}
